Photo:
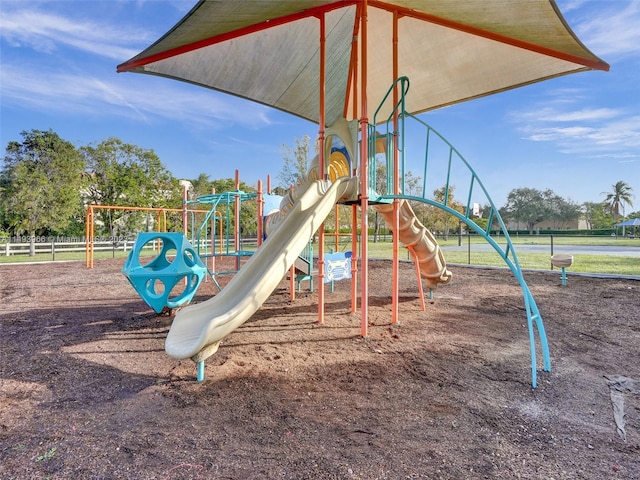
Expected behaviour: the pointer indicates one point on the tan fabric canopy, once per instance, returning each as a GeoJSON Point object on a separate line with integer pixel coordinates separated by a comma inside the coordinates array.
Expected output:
{"type": "Point", "coordinates": [452, 51]}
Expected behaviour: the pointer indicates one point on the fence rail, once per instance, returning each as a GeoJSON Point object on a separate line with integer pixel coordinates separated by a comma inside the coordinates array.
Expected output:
{"type": "Point", "coordinates": [8, 249]}
{"type": "Point", "coordinates": [20, 246]}
{"type": "Point", "coordinates": [593, 254]}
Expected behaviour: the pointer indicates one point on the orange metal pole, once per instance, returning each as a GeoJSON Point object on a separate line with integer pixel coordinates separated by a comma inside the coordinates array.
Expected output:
{"type": "Point", "coordinates": [353, 68]}
{"type": "Point", "coordinates": [354, 257]}
{"type": "Point", "coordinates": [417, 266]}
{"type": "Point", "coordinates": [213, 243]}
{"type": "Point", "coordinates": [364, 179]}
{"type": "Point", "coordinates": [395, 274]}
{"type": "Point", "coordinates": [92, 235]}
{"type": "Point", "coordinates": [86, 236]}
{"type": "Point", "coordinates": [321, 165]}
{"type": "Point", "coordinates": [236, 213]}
{"type": "Point", "coordinates": [354, 209]}
{"type": "Point", "coordinates": [220, 232]}
{"type": "Point", "coordinates": [213, 238]}
{"type": "Point", "coordinates": [336, 229]}
{"type": "Point", "coordinates": [184, 209]}
{"type": "Point", "coordinates": [260, 213]}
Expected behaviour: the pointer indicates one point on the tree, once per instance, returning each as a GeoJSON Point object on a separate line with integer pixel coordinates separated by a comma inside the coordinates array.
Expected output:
{"type": "Point", "coordinates": [413, 188]}
{"type": "Point", "coordinates": [483, 219]}
{"type": "Point", "coordinates": [596, 215]}
{"type": "Point", "coordinates": [525, 205]}
{"type": "Point", "coordinates": [440, 220]}
{"type": "Point", "coordinates": [121, 174]}
{"type": "Point", "coordinates": [249, 209]}
{"type": "Point", "coordinates": [200, 186]}
{"type": "Point", "coordinates": [531, 206]}
{"type": "Point", "coordinates": [559, 211]}
{"type": "Point", "coordinates": [616, 200]}
{"type": "Point", "coordinates": [40, 180]}
{"type": "Point", "coordinates": [295, 163]}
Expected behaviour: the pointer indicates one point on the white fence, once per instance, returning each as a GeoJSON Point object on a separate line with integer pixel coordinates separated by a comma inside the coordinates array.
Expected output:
{"type": "Point", "coordinates": [52, 246]}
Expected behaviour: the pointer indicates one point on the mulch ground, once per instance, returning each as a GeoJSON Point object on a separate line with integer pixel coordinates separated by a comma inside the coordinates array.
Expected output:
{"type": "Point", "coordinates": [87, 392]}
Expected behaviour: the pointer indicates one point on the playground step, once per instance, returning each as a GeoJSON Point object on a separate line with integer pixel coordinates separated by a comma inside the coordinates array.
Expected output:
{"type": "Point", "coordinates": [302, 265]}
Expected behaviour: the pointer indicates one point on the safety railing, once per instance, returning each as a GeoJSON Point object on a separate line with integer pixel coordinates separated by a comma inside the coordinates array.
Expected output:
{"type": "Point", "coordinates": [419, 146]}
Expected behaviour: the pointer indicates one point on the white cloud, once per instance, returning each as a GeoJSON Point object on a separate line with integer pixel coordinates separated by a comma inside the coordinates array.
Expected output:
{"type": "Point", "coordinates": [559, 134]}
{"type": "Point", "coordinates": [585, 130]}
{"type": "Point", "coordinates": [608, 28]}
{"type": "Point", "coordinates": [84, 94]}
{"type": "Point", "coordinates": [48, 32]}
{"type": "Point", "coordinates": [53, 76]}
{"type": "Point", "coordinates": [552, 114]}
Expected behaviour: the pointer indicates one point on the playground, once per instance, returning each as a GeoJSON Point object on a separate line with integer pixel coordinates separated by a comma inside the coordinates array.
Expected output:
{"type": "Point", "coordinates": [87, 390]}
{"type": "Point", "coordinates": [365, 381]}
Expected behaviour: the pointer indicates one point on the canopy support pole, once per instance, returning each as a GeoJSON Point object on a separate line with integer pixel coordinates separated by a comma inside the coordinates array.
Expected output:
{"type": "Point", "coordinates": [364, 179]}
{"type": "Point", "coordinates": [321, 164]}
{"type": "Point", "coordinates": [395, 274]}
{"type": "Point", "coordinates": [353, 78]}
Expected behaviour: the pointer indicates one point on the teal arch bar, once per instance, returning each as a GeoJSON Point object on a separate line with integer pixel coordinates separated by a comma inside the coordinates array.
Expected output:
{"type": "Point", "coordinates": [448, 158]}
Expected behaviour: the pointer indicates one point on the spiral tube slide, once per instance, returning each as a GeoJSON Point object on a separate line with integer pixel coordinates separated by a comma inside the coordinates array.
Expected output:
{"type": "Point", "coordinates": [413, 235]}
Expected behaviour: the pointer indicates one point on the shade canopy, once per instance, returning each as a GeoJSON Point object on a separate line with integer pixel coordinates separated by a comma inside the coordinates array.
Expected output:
{"type": "Point", "coordinates": [452, 51]}
{"type": "Point", "coordinates": [634, 222]}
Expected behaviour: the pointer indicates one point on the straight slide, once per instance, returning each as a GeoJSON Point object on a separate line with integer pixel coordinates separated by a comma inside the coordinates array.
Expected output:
{"type": "Point", "coordinates": [413, 235]}
{"type": "Point", "coordinates": [197, 330]}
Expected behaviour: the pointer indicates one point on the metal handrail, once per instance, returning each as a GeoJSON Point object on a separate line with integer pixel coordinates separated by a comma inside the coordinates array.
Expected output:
{"type": "Point", "coordinates": [508, 253]}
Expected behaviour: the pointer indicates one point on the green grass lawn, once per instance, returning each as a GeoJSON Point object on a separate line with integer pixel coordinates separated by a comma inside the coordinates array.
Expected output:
{"type": "Point", "coordinates": [603, 264]}
{"type": "Point", "coordinates": [617, 265]}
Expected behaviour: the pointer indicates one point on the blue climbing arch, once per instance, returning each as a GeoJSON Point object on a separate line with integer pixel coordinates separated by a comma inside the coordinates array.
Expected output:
{"type": "Point", "coordinates": [442, 165]}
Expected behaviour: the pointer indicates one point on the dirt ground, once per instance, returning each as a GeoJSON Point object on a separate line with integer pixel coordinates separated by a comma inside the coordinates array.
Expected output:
{"type": "Point", "coordinates": [87, 392]}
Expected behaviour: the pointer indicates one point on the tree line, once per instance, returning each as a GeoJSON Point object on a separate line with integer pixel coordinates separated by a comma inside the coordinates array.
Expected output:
{"type": "Point", "coordinates": [530, 207]}
{"type": "Point", "coordinates": [46, 183]}
{"type": "Point", "coordinates": [525, 207]}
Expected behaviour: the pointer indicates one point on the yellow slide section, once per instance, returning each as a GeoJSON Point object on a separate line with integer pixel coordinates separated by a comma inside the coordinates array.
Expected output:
{"type": "Point", "coordinates": [197, 330]}
{"type": "Point", "coordinates": [413, 235]}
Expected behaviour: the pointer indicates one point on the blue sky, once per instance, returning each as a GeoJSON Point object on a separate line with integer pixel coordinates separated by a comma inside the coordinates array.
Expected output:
{"type": "Point", "coordinates": [576, 135]}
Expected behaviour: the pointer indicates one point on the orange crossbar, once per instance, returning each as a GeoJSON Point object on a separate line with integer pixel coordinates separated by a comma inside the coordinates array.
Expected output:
{"type": "Point", "coordinates": [273, 22]}
{"type": "Point", "coordinates": [90, 223]}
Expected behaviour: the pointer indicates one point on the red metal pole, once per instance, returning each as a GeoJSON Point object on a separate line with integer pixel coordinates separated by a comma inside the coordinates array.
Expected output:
{"type": "Point", "coordinates": [395, 274]}
{"type": "Point", "coordinates": [354, 257]}
{"type": "Point", "coordinates": [354, 209]}
{"type": "Point", "coordinates": [336, 229]}
{"type": "Point", "coordinates": [184, 208]}
{"type": "Point", "coordinates": [236, 232]}
{"type": "Point", "coordinates": [88, 238]}
{"type": "Point", "coordinates": [213, 238]}
{"type": "Point", "coordinates": [321, 166]}
{"type": "Point", "coordinates": [260, 213]}
{"type": "Point", "coordinates": [417, 267]}
{"type": "Point", "coordinates": [364, 180]}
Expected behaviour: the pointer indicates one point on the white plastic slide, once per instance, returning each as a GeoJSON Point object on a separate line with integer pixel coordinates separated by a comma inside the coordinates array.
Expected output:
{"type": "Point", "coordinates": [412, 234]}
{"type": "Point", "coordinates": [197, 330]}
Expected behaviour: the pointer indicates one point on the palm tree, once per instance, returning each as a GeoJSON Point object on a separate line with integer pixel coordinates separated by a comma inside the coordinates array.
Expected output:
{"type": "Point", "coordinates": [618, 198]}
